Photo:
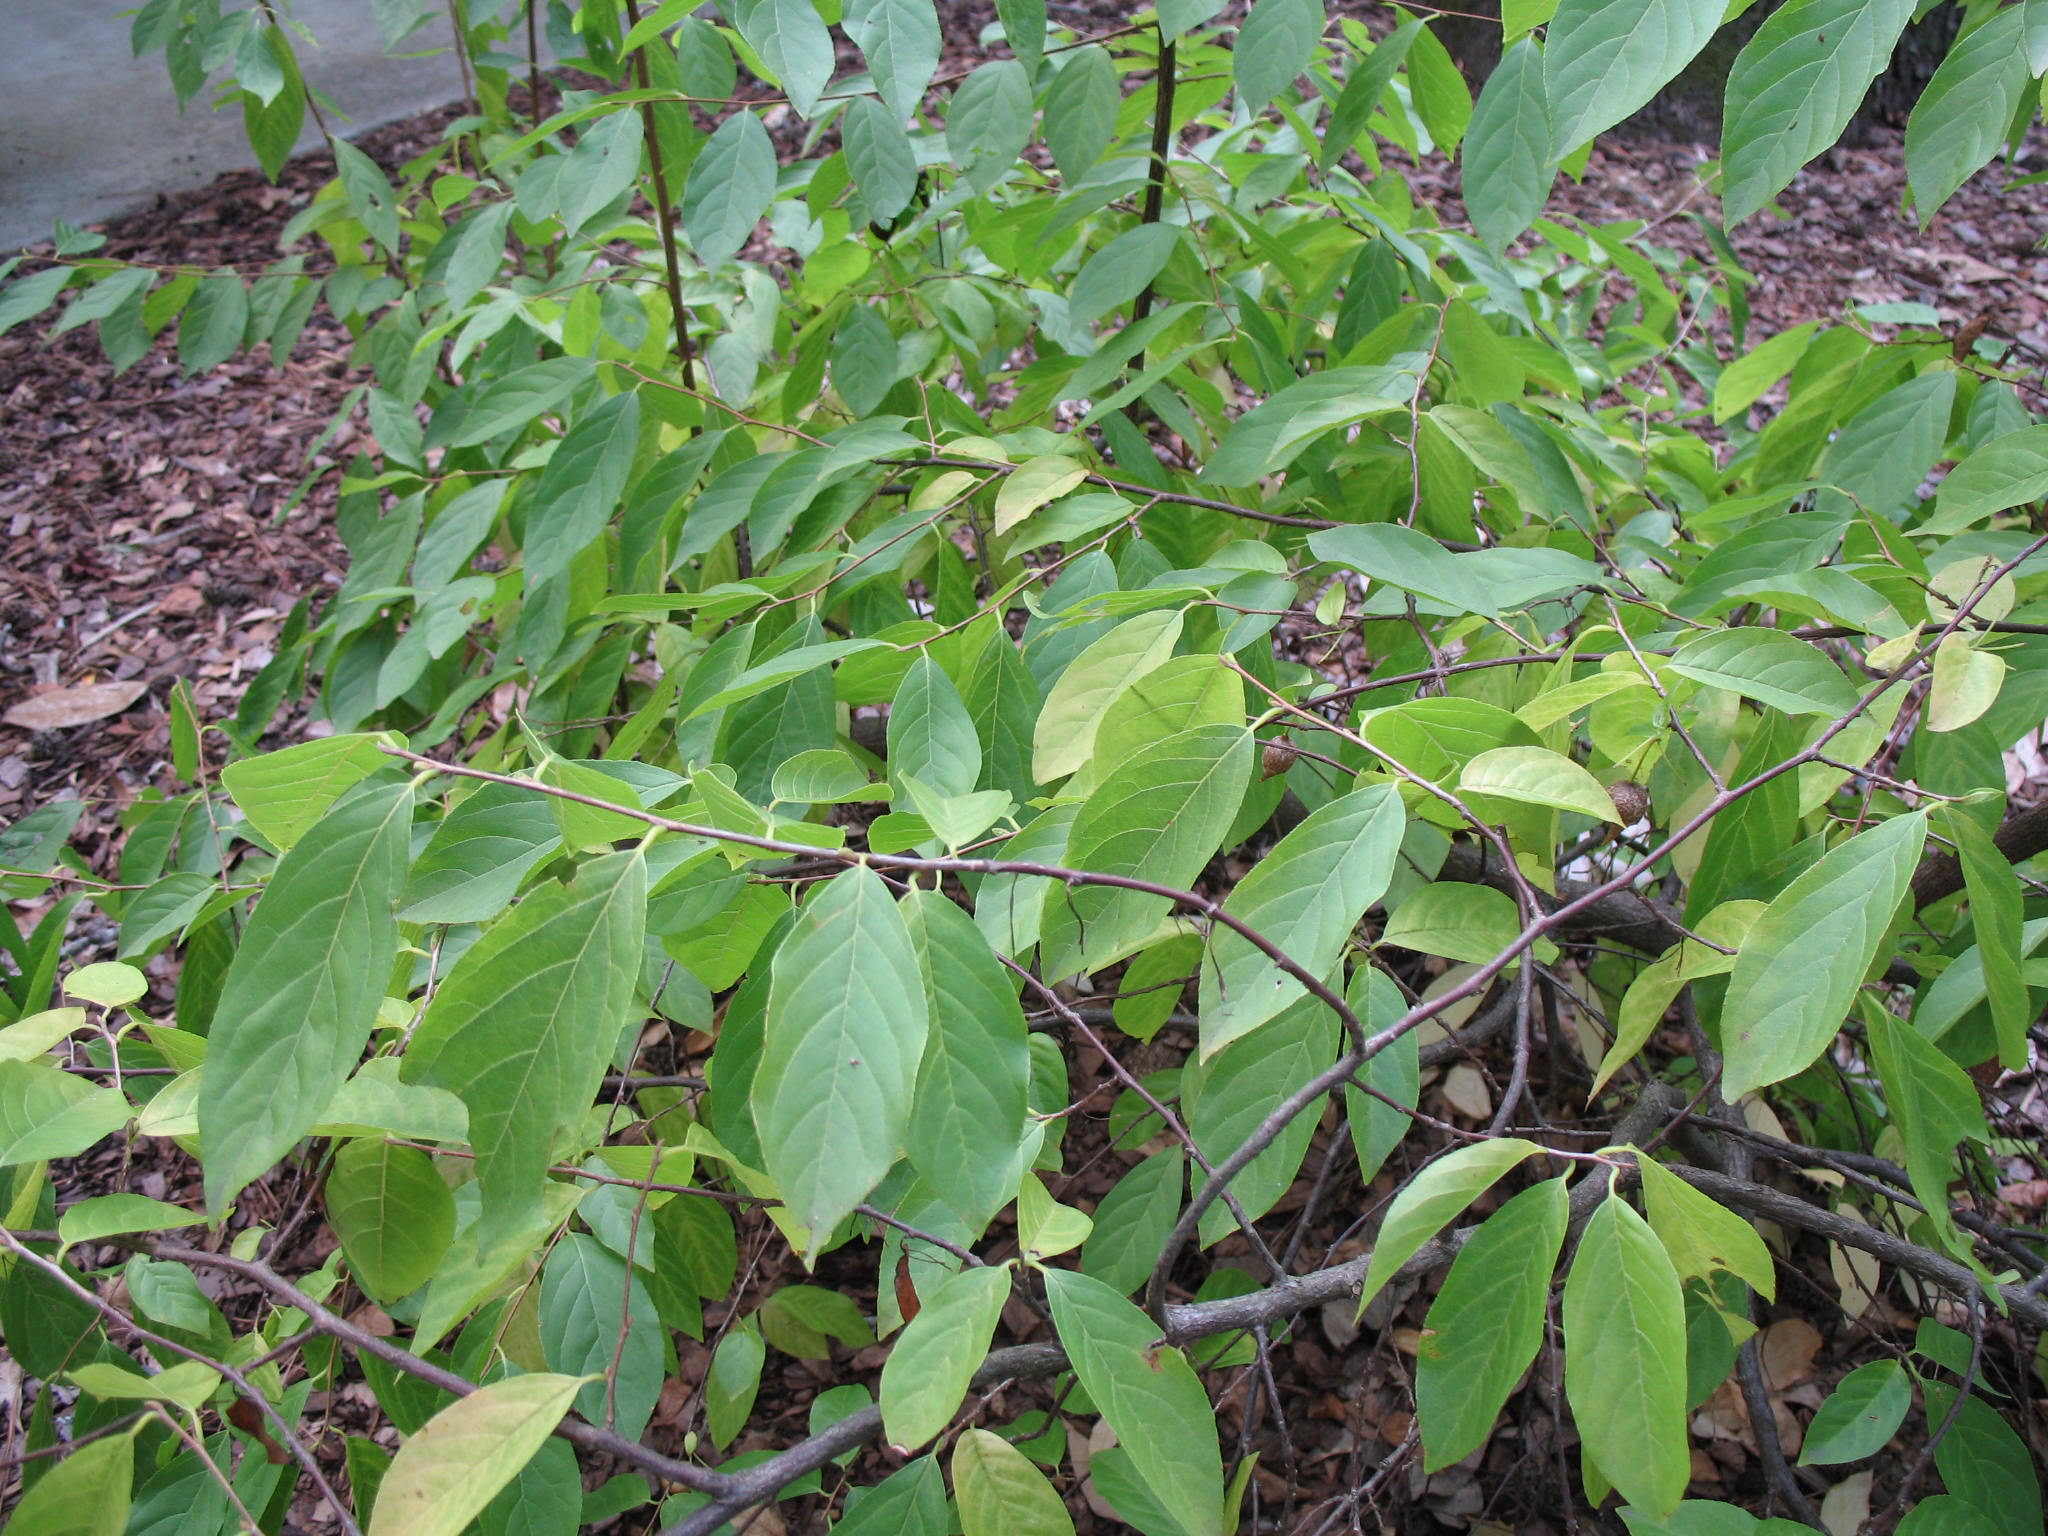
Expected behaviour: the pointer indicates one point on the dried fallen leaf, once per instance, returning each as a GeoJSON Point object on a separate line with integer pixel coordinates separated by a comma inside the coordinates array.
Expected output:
{"type": "Point", "coordinates": [1788, 1350]}
{"type": "Point", "coordinates": [1465, 1091]}
{"type": "Point", "coordinates": [79, 705]}
{"type": "Point", "coordinates": [1856, 1272]}
{"type": "Point", "coordinates": [2027, 1195]}
{"type": "Point", "coordinates": [1846, 1506]}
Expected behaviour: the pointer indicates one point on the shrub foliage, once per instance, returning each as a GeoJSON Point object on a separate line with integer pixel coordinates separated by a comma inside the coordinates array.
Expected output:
{"type": "Point", "coordinates": [877, 588]}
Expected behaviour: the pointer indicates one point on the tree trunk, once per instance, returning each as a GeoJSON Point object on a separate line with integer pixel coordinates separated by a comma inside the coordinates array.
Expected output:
{"type": "Point", "coordinates": [1689, 108]}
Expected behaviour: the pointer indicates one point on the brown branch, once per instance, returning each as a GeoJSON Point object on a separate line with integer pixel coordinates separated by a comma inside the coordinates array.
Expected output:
{"type": "Point", "coordinates": [56, 1272]}
{"type": "Point", "coordinates": [583, 1436]}
{"type": "Point", "coordinates": [1155, 185]}
{"type": "Point", "coordinates": [664, 213]}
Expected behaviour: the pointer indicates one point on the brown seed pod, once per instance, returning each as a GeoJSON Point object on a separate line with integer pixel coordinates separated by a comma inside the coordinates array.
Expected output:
{"type": "Point", "coordinates": [1279, 757]}
{"type": "Point", "coordinates": [1631, 801]}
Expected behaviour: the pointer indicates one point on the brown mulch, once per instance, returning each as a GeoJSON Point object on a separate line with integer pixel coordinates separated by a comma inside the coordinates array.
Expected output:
{"type": "Point", "coordinates": [152, 528]}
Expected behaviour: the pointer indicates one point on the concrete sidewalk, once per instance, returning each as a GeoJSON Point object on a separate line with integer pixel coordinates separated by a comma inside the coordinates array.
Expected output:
{"type": "Point", "coordinates": [87, 131]}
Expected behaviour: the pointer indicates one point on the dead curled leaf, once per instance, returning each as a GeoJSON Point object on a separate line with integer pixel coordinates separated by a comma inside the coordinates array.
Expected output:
{"type": "Point", "coordinates": [79, 705]}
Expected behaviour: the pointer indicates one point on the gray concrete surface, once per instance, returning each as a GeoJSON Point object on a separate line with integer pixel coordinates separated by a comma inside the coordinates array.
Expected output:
{"type": "Point", "coordinates": [87, 131]}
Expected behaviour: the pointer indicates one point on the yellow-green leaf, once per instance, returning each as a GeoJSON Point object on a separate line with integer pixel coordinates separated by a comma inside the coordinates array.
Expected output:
{"type": "Point", "coordinates": [1001, 1493]}
{"type": "Point", "coordinates": [1034, 483]}
{"type": "Point", "coordinates": [443, 1476]}
{"type": "Point", "coordinates": [1537, 776]}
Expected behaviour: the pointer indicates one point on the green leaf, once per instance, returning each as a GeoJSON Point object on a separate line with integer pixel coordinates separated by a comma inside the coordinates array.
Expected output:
{"type": "Point", "coordinates": [989, 122]}
{"type": "Point", "coordinates": [1433, 1199]}
{"type": "Point", "coordinates": [1745, 379]}
{"type": "Point", "coordinates": [273, 129]}
{"type": "Point", "coordinates": [968, 1107]}
{"type": "Point", "coordinates": [1885, 451]}
{"type": "Point", "coordinates": [1046, 478]}
{"type": "Point", "coordinates": [581, 487]}
{"type": "Point", "coordinates": [879, 154]}
{"type": "Point", "coordinates": [1377, 1127]}
{"type": "Point", "coordinates": [1769, 666]}
{"type": "Point", "coordinates": [284, 793]}
{"type": "Point", "coordinates": [1001, 1493]}
{"type": "Point", "coordinates": [1459, 922]}
{"type": "Point", "coordinates": [106, 984]}
{"type": "Point", "coordinates": [1984, 1463]}
{"type": "Point", "coordinates": [522, 1028]}
{"type": "Point", "coordinates": [587, 1296]}
{"type": "Point", "coordinates": [1604, 59]}
{"type": "Point", "coordinates": [1437, 87]}
{"type": "Point", "coordinates": [1507, 166]}
{"type": "Point", "coordinates": [1996, 919]}
{"type": "Point", "coordinates": [375, 1102]}
{"type": "Point", "coordinates": [28, 1038]}
{"type": "Point", "coordinates": [846, 1026]}
{"type": "Point", "coordinates": [189, 1383]}
{"type": "Point", "coordinates": [803, 1320]}
{"type": "Point", "coordinates": [1179, 17]}
{"type": "Point", "coordinates": [901, 41]}
{"type": "Point", "coordinates": [1936, 1110]}
{"type": "Point", "coordinates": [304, 987]}
{"type": "Point", "coordinates": [1964, 115]}
{"type": "Point", "coordinates": [1134, 1220]}
{"type": "Point", "coordinates": [1081, 110]}
{"type": "Point", "coordinates": [1624, 1364]}
{"type": "Point", "coordinates": [1486, 1323]}
{"type": "Point", "coordinates": [1537, 776]}
{"type": "Point", "coordinates": [1967, 681]}
{"type": "Point", "coordinates": [730, 185]}
{"type": "Point", "coordinates": [1064, 737]}
{"type": "Point", "coordinates": [1802, 962]}
{"type": "Point", "coordinates": [109, 1215]}
{"type": "Point", "coordinates": [827, 776]}
{"type": "Point", "coordinates": [393, 1214]}
{"type": "Point", "coordinates": [1183, 693]}
{"type": "Point", "coordinates": [1226, 1097]}
{"type": "Point", "coordinates": [442, 1477]}
{"type": "Point", "coordinates": [85, 1494]}
{"type": "Point", "coordinates": [1701, 1235]}
{"type": "Point", "coordinates": [29, 296]}
{"type": "Point", "coordinates": [507, 402]}
{"type": "Point", "coordinates": [733, 1382]}
{"type": "Point", "coordinates": [911, 1501]}
{"type": "Point", "coordinates": [925, 1378]}
{"type": "Point", "coordinates": [1364, 88]}
{"type": "Point", "coordinates": [473, 865]}
{"type": "Point", "coordinates": [473, 261]}
{"type": "Point", "coordinates": [1159, 817]}
{"type": "Point", "coordinates": [1273, 433]}
{"type": "Point", "coordinates": [2008, 471]}
{"type": "Point", "coordinates": [1863, 1412]}
{"type": "Point", "coordinates": [1305, 896]}
{"type": "Point", "coordinates": [1045, 1228]}
{"type": "Point", "coordinates": [1793, 89]}
{"type": "Point", "coordinates": [164, 910]}
{"type": "Point", "coordinates": [369, 194]}
{"type": "Point", "coordinates": [1403, 558]}
{"type": "Point", "coordinates": [791, 39]}
{"type": "Point", "coordinates": [864, 356]}
{"type": "Point", "coordinates": [931, 735]}
{"type": "Point", "coordinates": [1147, 1393]}
{"type": "Point", "coordinates": [1273, 47]}
{"type": "Point", "coordinates": [211, 329]}
{"type": "Point", "coordinates": [46, 1113]}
